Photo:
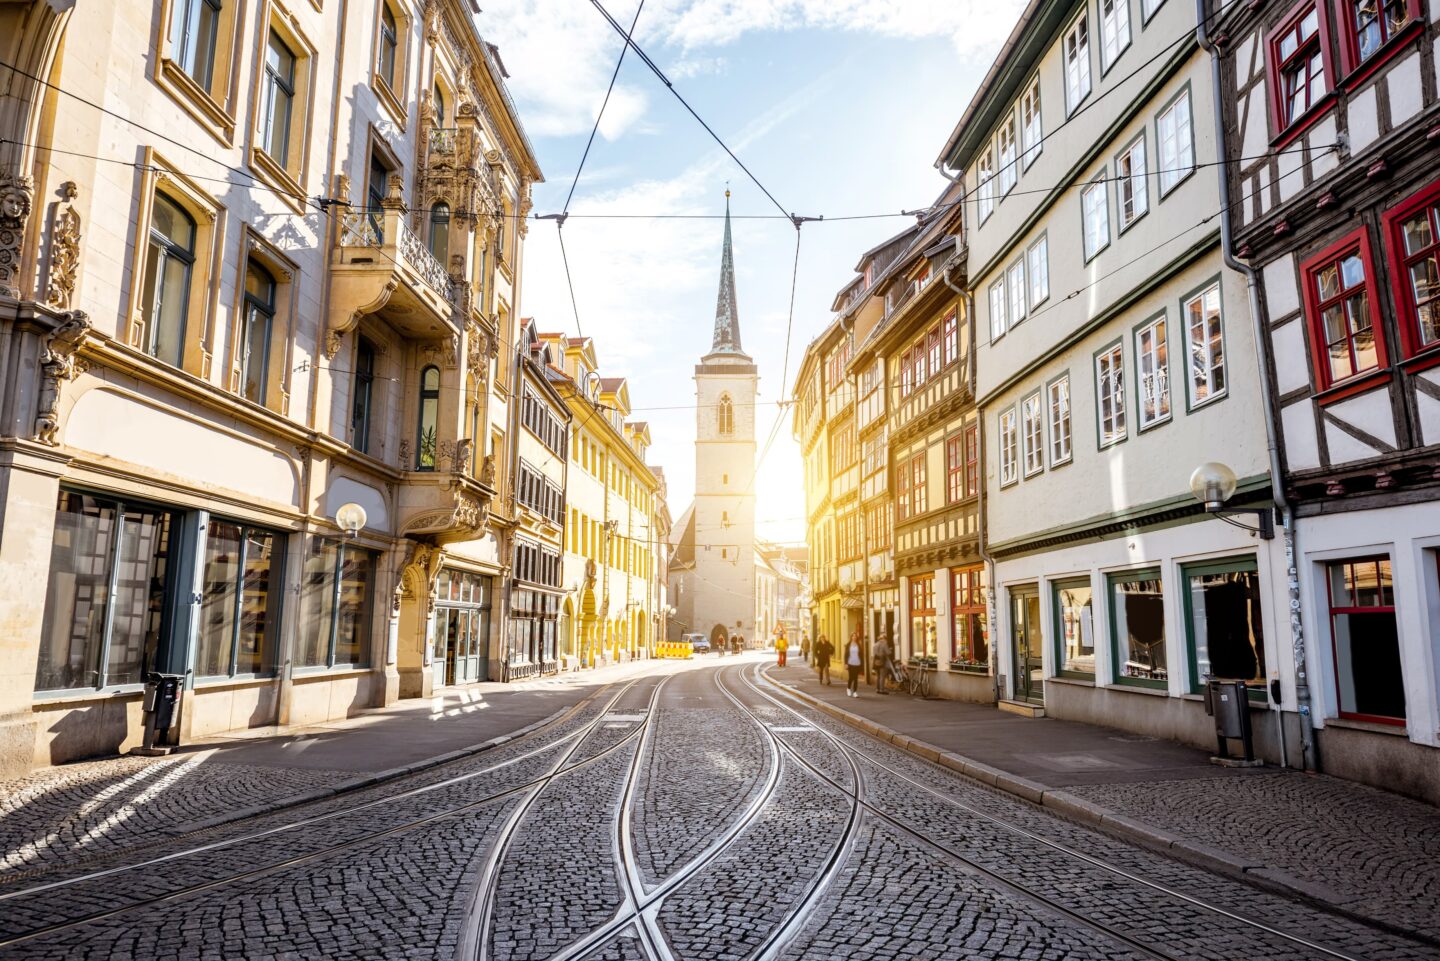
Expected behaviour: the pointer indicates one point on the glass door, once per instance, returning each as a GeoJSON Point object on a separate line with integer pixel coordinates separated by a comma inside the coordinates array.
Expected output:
{"type": "Point", "coordinates": [1028, 663]}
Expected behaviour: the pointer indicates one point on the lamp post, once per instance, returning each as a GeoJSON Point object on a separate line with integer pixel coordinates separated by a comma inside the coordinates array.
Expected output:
{"type": "Point", "coordinates": [1213, 484]}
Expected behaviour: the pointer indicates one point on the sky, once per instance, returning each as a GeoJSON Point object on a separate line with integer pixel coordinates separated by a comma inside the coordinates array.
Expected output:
{"type": "Point", "coordinates": [837, 107]}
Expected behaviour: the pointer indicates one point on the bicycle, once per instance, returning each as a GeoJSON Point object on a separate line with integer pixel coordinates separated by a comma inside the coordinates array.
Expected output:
{"type": "Point", "coordinates": [919, 679]}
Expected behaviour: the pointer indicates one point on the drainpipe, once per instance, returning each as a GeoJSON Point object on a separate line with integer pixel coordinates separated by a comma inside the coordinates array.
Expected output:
{"type": "Point", "coordinates": [1310, 760]}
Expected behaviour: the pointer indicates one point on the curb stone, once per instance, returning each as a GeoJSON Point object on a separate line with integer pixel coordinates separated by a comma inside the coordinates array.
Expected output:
{"type": "Point", "coordinates": [1138, 832]}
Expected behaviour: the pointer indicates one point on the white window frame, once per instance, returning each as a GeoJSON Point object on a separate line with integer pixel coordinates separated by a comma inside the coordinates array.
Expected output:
{"type": "Point", "coordinates": [1148, 9]}
{"type": "Point", "coordinates": [1005, 152]}
{"type": "Point", "coordinates": [1150, 369]}
{"type": "Point", "coordinates": [1008, 448]}
{"type": "Point", "coordinates": [1131, 175]}
{"type": "Point", "coordinates": [998, 325]}
{"type": "Point", "coordinates": [1075, 48]}
{"type": "Point", "coordinates": [1194, 351]}
{"type": "Point", "coordinates": [1032, 434]}
{"type": "Point", "coordinates": [1061, 438]}
{"type": "Point", "coordinates": [1110, 370]}
{"type": "Point", "coordinates": [1095, 216]}
{"type": "Point", "coordinates": [1038, 256]}
{"type": "Point", "coordinates": [1175, 148]}
{"type": "Point", "coordinates": [1112, 26]}
{"type": "Point", "coordinates": [985, 185]}
{"type": "Point", "coordinates": [1016, 288]}
{"type": "Point", "coordinates": [1032, 128]}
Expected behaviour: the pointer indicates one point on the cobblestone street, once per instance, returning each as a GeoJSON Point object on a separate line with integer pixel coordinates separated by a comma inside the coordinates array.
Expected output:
{"type": "Point", "coordinates": [687, 811]}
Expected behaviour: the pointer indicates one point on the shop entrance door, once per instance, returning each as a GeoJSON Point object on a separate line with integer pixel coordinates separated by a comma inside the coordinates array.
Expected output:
{"type": "Point", "coordinates": [462, 628]}
{"type": "Point", "coordinates": [1028, 667]}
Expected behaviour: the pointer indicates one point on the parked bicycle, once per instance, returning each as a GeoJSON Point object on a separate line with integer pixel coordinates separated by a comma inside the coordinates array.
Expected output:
{"type": "Point", "coordinates": [913, 678]}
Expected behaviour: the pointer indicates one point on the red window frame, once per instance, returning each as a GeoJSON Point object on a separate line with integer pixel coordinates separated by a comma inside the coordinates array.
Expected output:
{"type": "Point", "coordinates": [967, 597]}
{"type": "Point", "coordinates": [1391, 40]}
{"type": "Point", "coordinates": [1274, 66]}
{"type": "Point", "coordinates": [1406, 309]}
{"type": "Point", "coordinates": [913, 501]}
{"type": "Point", "coordinates": [1330, 388]}
{"type": "Point", "coordinates": [954, 468]}
{"type": "Point", "coordinates": [1335, 648]}
{"type": "Point", "coordinates": [932, 349]}
{"type": "Point", "coordinates": [922, 594]}
{"type": "Point", "coordinates": [972, 460]}
{"type": "Point", "coordinates": [950, 335]}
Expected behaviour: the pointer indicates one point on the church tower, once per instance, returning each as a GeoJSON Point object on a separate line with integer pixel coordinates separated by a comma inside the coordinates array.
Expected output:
{"type": "Point", "coordinates": [726, 383]}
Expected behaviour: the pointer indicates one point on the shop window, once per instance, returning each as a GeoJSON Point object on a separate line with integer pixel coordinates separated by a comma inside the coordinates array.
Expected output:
{"type": "Point", "coordinates": [1225, 622]}
{"type": "Point", "coordinates": [1367, 25]}
{"type": "Point", "coordinates": [363, 391]}
{"type": "Point", "coordinates": [169, 268]}
{"type": "Point", "coordinates": [1110, 394]}
{"type": "Point", "coordinates": [1137, 613]}
{"type": "Point", "coordinates": [1414, 238]}
{"type": "Point", "coordinates": [240, 607]}
{"type": "Point", "coordinates": [1152, 360]}
{"type": "Point", "coordinates": [1341, 310]}
{"type": "Point", "coordinates": [429, 418]}
{"type": "Point", "coordinates": [105, 603]}
{"type": "Point", "coordinates": [1075, 627]}
{"type": "Point", "coordinates": [336, 600]}
{"type": "Point", "coordinates": [1299, 64]}
{"type": "Point", "coordinates": [970, 631]}
{"type": "Point", "coordinates": [257, 329]}
{"type": "Point", "coordinates": [923, 642]}
{"type": "Point", "coordinates": [1368, 677]}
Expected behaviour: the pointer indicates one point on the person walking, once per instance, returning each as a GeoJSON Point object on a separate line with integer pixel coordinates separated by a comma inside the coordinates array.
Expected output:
{"type": "Point", "coordinates": [824, 650]}
{"type": "Point", "coordinates": [880, 656]}
{"type": "Point", "coordinates": [781, 646]}
{"type": "Point", "coordinates": [854, 663]}
{"type": "Point", "coordinates": [805, 648]}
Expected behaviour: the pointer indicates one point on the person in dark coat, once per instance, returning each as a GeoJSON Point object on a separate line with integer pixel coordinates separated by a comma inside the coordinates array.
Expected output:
{"type": "Point", "coordinates": [823, 651]}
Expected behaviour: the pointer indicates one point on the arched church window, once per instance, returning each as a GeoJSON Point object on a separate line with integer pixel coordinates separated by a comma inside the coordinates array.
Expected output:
{"type": "Point", "coordinates": [727, 415]}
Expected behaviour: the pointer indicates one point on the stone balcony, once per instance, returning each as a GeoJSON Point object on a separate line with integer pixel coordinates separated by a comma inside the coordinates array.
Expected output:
{"type": "Point", "coordinates": [447, 504]}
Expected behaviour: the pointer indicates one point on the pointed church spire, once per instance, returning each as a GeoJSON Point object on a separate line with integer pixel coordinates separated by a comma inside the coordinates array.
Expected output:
{"type": "Point", "coordinates": [727, 317]}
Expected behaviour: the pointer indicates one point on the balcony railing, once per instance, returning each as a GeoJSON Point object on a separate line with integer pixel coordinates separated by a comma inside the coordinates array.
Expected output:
{"type": "Point", "coordinates": [425, 264]}
{"type": "Point", "coordinates": [366, 229]}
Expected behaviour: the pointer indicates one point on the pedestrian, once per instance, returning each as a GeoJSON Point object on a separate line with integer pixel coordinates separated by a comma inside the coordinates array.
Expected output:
{"type": "Point", "coordinates": [880, 657]}
{"type": "Point", "coordinates": [781, 646]}
{"type": "Point", "coordinates": [824, 650]}
{"type": "Point", "coordinates": [805, 648]}
{"type": "Point", "coordinates": [739, 644]}
{"type": "Point", "coordinates": [854, 662]}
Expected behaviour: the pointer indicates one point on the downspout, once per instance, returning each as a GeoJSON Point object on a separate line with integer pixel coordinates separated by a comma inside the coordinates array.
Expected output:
{"type": "Point", "coordinates": [1309, 760]}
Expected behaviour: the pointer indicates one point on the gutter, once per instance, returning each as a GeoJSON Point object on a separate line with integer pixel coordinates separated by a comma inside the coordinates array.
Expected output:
{"type": "Point", "coordinates": [1309, 760]}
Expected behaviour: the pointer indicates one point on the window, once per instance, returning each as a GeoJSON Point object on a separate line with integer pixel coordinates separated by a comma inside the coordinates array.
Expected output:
{"type": "Point", "coordinates": [1006, 143]}
{"type": "Point", "coordinates": [997, 309]}
{"type": "Point", "coordinates": [240, 601]}
{"type": "Point", "coordinates": [985, 179]}
{"type": "Point", "coordinates": [1339, 299]}
{"type": "Point", "coordinates": [1077, 63]}
{"type": "Point", "coordinates": [1225, 624]}
{"type": "Point", "coordinates": [1137, 611]}
{"type": "Point", "coordinates": [336, 596]}
{"type": "Point", "coordinates": [277, 99]}
{"type": "Point", "coordinates": [1298, 67]}
{"type": "Point", "coordinates": [1369, 24]}
{"type": "Point", "coordinates": [1130, 181]}
{"type": "Point", "coordinates": [1032, 425]}
{"type": "Point", "coordinates": [1015, 283]}
{"type": "Point", "coordinates": [1095, 214]}
{"type": "Point", "coordinates": [950, 335]}
{"type": "Point", "coordinates": [363, 395]}
{"type": "Point", "coordinates": [429, 418]}
{"type": "Point", "coordinates": [955, 487]}
{"type": "Point", "coordinates": [375, 188]}
{"type": "Point", "coordinates": [389, 46]}
{"type": "Point", "coordinates": [1110, 394]}
{"type": "Point", "coordinates": [1368, 674]}
{"type": "Point", "coordinates": [1030, 127]}
{"type": "Point", "coordinates": [969, 631]}
{"type": "Point", "coordinates": [1175, 142]}
{"type": "Point", "coordinates": [105, 605]}
{"type": "Point", "coordinates": [911, 480]}
{"type": "Point", "coordinates": [1152, 361]}
{"type": "Point", "coordinates": [1148, 8]}
{"type": "Point", "coordinates": [1059, 391]}
{"type": "Point", "coordinates": [972, 460]}
{"type": "Point", "coordinates": [194, 31]}
{"type": "Point", "coordinates": [1037, 260]}
{"type": "Point", "coordinates": [1415, 245]}
{"type": "Point", "coordinates": [923, 641]}
{"type": "Point", "coordinates": [1075, 627]}
{"type": "Point", "coordinates": [440, 234]}
{"type": "Point", "coordinates": [1205, 345]}
{"type": "Point", "coordinates": [168, 266]}
{"type": "Point", "coordinates": [1114, 30]}
{"type": "Point", "coordinates": [259, 323]}
{"type": "Point", "coordinates": [932, 351]}
{"type": "Point", "coordinates": [1009, 449]}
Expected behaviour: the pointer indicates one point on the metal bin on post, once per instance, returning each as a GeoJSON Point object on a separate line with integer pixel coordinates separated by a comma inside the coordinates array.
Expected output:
{"type": "Point", "coordinates": [1229, 703]}
{"type": "Point", "coordinates": [163, 693]}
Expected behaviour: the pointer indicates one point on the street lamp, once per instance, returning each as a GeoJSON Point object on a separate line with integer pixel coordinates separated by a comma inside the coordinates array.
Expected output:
{"type": "Point", "coordinates": [350, 518]}
{"type": "Point", "coordinates": [1213, 484]}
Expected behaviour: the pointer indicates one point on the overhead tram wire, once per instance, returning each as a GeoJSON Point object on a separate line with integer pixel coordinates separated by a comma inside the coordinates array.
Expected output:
{"type": "Point", "coordinates": [619, 61]}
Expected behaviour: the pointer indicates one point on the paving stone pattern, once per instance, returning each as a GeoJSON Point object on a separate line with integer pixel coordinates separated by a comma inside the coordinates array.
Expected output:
{"type": "Point", "coordinates": [626, 947]}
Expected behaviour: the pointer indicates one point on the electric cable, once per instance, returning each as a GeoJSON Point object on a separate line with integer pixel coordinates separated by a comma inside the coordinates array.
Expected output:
{"type": "Point", "coordinates": [603, 104]}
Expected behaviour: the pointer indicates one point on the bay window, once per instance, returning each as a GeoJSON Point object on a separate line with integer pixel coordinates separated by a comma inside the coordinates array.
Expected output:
{"type": "Point", "coordinates": [1074, 610]}
{"type": "Point", "coordinates": [1110, 394]}
{"type": "Point", "coordinates": [1137, 613]}
{"type": "Point", "coordinates": [1224, 619]}
{"type": "Point", "coordinates": [1369, 679]}
{"type": "Point", "coordinates": [1175, 142]}
{"type": "Point", "coordinates": [1152, 362]}
{"type": "Point", "coordinates": [970, 633]}
{"type": "Point", "coordinates": [1341, 309]}
{"type": "Point", "coordinates": [1095, 216]}
{"type": "Point", "coordinates": [1032, 426]}
{"type": "Point", "coordinates": [1059, 397]}
{"type": "Point", "coordinates": [1205, 346]}
{"type": "Point", "coordinates": [1077, 63]}
{"type": "Point", "coordinates": [1009, 449]}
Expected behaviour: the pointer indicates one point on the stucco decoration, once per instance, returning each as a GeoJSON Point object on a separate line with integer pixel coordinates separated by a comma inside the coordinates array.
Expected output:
{"type": "Point", "coordinates": [477, 351]}
{"type": "Point", "coordinates": [15, 204]}
{"type": "Point", "coordinates": [57, 368]}
{"type": "Point", "coordinates": [487, 471]}
{"type": "Point", "coordinates": [64, 260]}
{"type": "Point", "coordinates": [465, 515]}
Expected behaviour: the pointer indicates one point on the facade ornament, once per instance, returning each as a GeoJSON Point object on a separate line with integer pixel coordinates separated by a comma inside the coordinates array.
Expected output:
{"type": "Point", "coordinates": [64, 260]}
{"type": "Point", "coordinates": [333, 339]}
{"type": "Point", "coordinates": [15, 203]}
{"type": "Point", "coordinates": [394, 193]}
{"type": "Point", "coordinates": [57, 367]}
{"type": "Point", "coordinates": [463, 450]}
{"type": "Point", "coordinates": [445, 455]}
{"type": "Point", "coordinates": [450, 351]}
{"type": "Point", "coordinates": [477, 344]}
{"type": "Point", "coordinates": [404, 453]}
{"type": "Point", "coordinates": [526, 203]}
{"type": "Point", "coordinates": [487, 471]}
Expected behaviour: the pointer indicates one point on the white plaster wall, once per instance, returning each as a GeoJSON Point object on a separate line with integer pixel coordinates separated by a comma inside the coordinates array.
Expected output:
{"type": "Point", "coordinates": [1292, 366]}
{"type": "Point", "coordinates": [1302, 446]}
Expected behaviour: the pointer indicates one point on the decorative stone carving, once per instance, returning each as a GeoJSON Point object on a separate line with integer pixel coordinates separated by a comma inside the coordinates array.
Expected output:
{"type": "Point", "coordinates": [477, 351]}
{"type": "Point", "coordinates": [15, 203]}
{"type": "Point", "coordinates": [333, 339]}
{"type": "Point", "coordinates": [487, 471]}
{"type": "Point", "coordinates": [463, 450]}
{"type": "Point", "coordinates": [445, 455]}
{"type": "Point", "coordinates": [404, 453]}
{"type": "Point", "coordinates": [64, 260]}
{"type": "Point", "coordinates": [466, 515]}
{"type": "Point", "coordinates": [57, 367]}
{"type": "Point", "coordinates": [450, 351]}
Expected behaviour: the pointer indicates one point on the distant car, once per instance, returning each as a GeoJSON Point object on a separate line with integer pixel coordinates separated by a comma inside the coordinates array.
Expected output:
{"type": "Point", "coordinates": [699, 643]}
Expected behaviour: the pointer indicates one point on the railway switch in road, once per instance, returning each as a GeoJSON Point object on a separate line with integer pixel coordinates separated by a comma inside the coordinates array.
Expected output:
{"type": "Point", "coordinates": [162, 701]}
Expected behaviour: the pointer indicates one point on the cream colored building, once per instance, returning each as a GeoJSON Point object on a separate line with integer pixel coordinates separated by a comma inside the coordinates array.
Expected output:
{"type": "Point", "coordinates": [256, 260]}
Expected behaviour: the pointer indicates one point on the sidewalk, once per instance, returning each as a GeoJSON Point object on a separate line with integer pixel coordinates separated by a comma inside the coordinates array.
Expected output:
{"type": "Point", "coordinates": [1362, 851]}
{"type": "Point", "coordinates": [100, 806]}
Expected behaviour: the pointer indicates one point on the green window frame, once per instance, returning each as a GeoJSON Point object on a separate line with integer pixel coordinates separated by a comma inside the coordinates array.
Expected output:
{"type": "Point", "coordinates": [1247, 564]}
{"type": "Point", "coordinates": [1062, 631]}
{"type": "Point", "coordinates": [1112, 581]}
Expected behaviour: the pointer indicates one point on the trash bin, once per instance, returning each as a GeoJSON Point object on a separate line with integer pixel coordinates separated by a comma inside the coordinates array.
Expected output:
{"type": "Point", "coordinates": [161, 706]}
{"type": "Point", "coordinates": [1229, 703]}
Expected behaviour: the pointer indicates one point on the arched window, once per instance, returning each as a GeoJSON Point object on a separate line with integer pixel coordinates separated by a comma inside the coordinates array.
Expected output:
{"type": "Point", "coordinates": [168, 265]}
{"type": "Point", "coordinates": [255, 336]}
{"type": "Point", "coordinates": [389, 46]}
{"type": "Point", "coordinates": [440, 233]}
{"type": "Point", "coordinates": [439, 106]}
{"type": "Point", "coordinates": [429, 418]}
{"type": "Point", "coordinates": [727, 415]}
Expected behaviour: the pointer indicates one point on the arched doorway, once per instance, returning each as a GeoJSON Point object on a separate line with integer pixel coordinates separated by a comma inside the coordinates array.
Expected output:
{"type": "Point", "coordinates": [719, 636]}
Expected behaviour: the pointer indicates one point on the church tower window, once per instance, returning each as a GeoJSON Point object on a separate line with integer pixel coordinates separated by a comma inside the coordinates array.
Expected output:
{"type": "Point", "coordinates": [727, 415]}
